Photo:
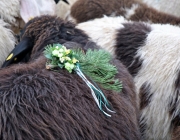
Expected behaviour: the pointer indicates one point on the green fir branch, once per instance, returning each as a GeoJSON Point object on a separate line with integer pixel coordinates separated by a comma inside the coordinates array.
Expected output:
{"type": "Point", "coordinates": [96, 65]}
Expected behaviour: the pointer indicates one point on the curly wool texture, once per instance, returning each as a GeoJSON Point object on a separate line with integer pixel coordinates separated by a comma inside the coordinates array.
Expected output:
{"type": "Point", "coordinates": [40, 104]}
{"type": "Point", "coordinates": [7, 41]}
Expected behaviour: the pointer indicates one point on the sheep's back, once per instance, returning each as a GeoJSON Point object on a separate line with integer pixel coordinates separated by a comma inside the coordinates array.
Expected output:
{"type": "Point", "coordinates": [41, 104]}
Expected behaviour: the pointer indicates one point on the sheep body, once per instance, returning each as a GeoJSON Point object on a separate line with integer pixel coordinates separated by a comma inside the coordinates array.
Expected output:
{"type": "Point", "coordinates": [43, 104]}
{"type": "Point", "coordinates": [170, 7]}
{"type": "Point", "coordinates": [95, 29]}
{"type": "Point", "coordinates": [17, 12]}
{"type": "Point", "coordinates": [150, 52]}
{"type": "Point", "coordinates": [130, 9]}
{"type": "Point", "coordinates": [63, 9]}
{"type": "Point", "coordinates": [7, 41]}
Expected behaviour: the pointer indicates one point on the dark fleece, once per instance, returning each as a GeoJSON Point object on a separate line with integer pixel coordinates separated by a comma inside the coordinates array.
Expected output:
{"type": "Point", "coordinates": [39, 104]}
{"type": "Point", "coordinates": [42, 31]}
{"type": "Point", "coordinates": [129, 40]}
{"type": "Point", "coordinates": [46, 30]}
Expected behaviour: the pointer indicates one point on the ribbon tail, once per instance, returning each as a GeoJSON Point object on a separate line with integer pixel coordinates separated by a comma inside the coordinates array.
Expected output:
{"type": "Point", "coordinates": [97, 94]}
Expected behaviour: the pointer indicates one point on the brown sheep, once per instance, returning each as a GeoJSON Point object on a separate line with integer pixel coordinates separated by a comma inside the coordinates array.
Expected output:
{"type": "Point", "coordinates": [39, 104]}
{"type": "Point", "coordinates": [84, 10]}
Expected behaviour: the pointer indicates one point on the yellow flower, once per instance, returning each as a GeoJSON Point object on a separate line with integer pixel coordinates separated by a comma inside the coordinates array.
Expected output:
{"type": "Point", "coordinates": [74, 60]}
{"type": "Point", "coordinates": [67, 51]}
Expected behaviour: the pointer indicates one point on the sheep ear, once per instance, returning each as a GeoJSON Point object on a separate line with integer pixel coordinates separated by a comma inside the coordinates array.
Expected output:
{"type": "Point", "coordinates": [32, 8]}
{"type": "Point", "coordinates": [19, 53]}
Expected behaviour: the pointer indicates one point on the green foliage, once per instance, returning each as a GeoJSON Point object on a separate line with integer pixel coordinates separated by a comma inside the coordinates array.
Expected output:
{"type": "Point", "coordinates": [95, 64]}
{"type": "Point", "coordinates": [59, 56]}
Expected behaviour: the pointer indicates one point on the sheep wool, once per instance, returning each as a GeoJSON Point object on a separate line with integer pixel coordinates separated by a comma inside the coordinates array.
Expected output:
{"type": "Point", "coordinates": [42, 31]}
{"type": "Point", "coordinates": [9, 10]}
{"type": "Point", "coordinates": [150, 52]}
{"type": "Point", "coordinates": [18, 12]}
{"type": "Point", "coordinates": [7, 41]}
{"type": "Point", "coordinates": [63, 9]}
{"type": "Point", "coordinates": [170, 7]}
{"type": "Point", "coordinates": [84, 10]}
{"type": "Point", "coordinates": [44, 104]}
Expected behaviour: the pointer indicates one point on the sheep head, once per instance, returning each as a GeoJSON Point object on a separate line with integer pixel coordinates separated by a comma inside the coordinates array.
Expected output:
{"type": "Point", "coordinates": [42, 31]}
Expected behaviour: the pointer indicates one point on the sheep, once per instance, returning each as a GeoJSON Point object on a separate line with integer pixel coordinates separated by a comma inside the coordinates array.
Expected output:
{"type": "Point", "coordinates": [9, 10]}
{"type": "Point", "coordinates": [32, 8]}
{"type": "Point", "coordinates": [63, 9]}
{"type": "Point", "coordinates": [18, 12]}
{"type": "Point", "coordinates": [41, 31]}
{"type": "Point", "coordinates": [150, 52]}
{"type": "Point", "coordinates": [84, 10]}
{"type": "Point", "coordinates": [7, 41]}
{"type": "Point", "coordinates": [41, 104]}
{"type": "Point", "coordinates": [170, 7]}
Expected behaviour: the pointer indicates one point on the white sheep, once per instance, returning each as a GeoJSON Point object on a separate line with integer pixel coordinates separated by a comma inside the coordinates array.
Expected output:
{"type": "Point", "coordinates": [63, 9]}
{"type": "Point", "coordinates": [7, 41]}
{"type": "Point", "coordinates": [151, 54]}
{"type": "Point", "coordinates": [18, 12]}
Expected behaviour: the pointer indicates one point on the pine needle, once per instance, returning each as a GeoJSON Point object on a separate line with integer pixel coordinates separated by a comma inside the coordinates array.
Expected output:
{"type": "Point", "coordinates": [96, 64]}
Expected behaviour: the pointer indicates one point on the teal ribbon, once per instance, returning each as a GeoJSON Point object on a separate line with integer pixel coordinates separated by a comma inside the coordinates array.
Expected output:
{"type": "Point", "coordinates": [97, 94]}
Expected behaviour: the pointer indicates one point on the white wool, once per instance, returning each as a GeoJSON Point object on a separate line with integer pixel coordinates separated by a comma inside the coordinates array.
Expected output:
{"type": "Point", "coordinates": [12, 11]}
{"type": "Point", "coordinates": [131, 11]}
{"type": "Point", "coordinates": [7, 41]}
{"type": "Point", "coordinates": [160, 68]}
{"type": "Point", "coordinates": [103, 31]}
{"type": "Point", "coordinates": [63, 10]}
{"type": "Point", "coordinates": [9, 10]}
{"type": "Point", "coordinates": [33, 8]}
{"type": "Point", "coordinates": [167, 6]}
